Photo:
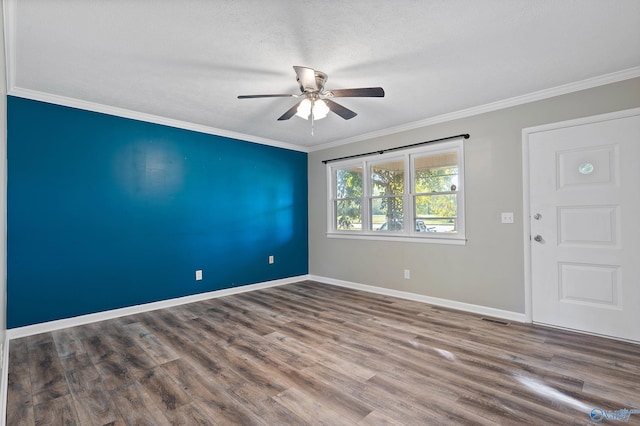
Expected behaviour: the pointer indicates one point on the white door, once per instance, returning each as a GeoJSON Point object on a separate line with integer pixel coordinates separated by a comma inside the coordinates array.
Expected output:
{"type": "Point", "coordinates": [584, 185]}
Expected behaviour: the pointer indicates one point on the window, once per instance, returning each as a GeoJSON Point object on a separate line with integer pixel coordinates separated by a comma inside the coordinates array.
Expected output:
{"type": "Point", "coordinates": [415, 194]}
{"type": "Point", "coordinates": [387, 195]}
{"type": "Point", "coordinates": [348, 201]}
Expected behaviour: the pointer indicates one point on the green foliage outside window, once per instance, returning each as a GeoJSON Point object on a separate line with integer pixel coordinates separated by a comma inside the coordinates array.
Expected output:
{"type": "Point", "coordinates": [348, 187]}
{"type": "Point", "coordinates": [387, 181]}
{"type": "Point", "coordinates": [432, 181]}
{"type": "Point", "coordinates": [432, 195]}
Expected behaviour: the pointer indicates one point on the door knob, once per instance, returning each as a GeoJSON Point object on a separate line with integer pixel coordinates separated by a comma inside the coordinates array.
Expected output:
{"type": "Point", "coordinates": [538, 238]}
{"type": "Point", "coordinates": [537, 216]}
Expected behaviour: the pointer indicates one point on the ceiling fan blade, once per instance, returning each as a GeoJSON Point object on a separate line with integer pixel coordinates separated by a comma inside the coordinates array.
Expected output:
{"type": "Point", "coordinates": [307, 78]}
{"type": "Point", "coordinates": [290, 112]}
{"type": "Point", "coordinates": [265, 96]}
{"type": "Point", "coordinates": [365, 92]}
{"type": "Point", "coordinates": [343, 112]}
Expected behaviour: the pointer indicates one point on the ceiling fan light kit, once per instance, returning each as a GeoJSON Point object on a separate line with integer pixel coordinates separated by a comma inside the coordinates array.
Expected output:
{"type": "Point", "coordinates": [316, 109]}
{"type": "Point", "coordinates": [316, 102]}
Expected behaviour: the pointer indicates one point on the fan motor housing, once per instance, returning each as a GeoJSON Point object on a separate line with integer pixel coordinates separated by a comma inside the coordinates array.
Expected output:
{"type": "Point", "coordinates": [321, 79]}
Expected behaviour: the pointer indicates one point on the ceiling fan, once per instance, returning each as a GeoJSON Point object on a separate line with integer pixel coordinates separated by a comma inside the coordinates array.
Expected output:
{"type": "Point", "coordinates": [316, 102]}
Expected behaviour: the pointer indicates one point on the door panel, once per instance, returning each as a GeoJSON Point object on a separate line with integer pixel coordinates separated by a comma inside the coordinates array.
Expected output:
{"type": "Point", "coordinates": [588, 226]}
{"type": "Point", "coordinates": [589, 284]}
{"type": "Point", "coordinates": [585, 250]}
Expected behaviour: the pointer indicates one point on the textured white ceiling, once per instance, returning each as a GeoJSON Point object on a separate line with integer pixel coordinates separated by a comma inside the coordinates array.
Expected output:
{"type": "Point", "coordinates": [188, 60]}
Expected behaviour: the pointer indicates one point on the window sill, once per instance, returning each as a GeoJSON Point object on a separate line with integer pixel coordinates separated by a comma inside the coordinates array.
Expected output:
{"type": "Point", "coordinates": [460, 241]}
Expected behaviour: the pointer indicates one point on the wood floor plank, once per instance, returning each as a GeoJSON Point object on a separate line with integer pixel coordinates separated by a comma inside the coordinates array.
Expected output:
{"type": "Point", "coordinates": [311, 353]}
{"type": "Point", "coordinates": [45, 370]}
{"type": "Point", "coordinates": [417, 403]}
{"type": "Point", "coordinates": [91, 399]}
{"type": "Point", "coordinates": [136, 407]}
{"type": "Point", "coordinates": [258, 370]}
{"type": "Point", "coordinates": [211, 392]}
{"type": "Point", "coordinates": [283, 305]}
{"type": "Point", "coordinates": [268, 411]}
{"type": "Point", "coordinates": [327, 394]}
{"type": "Point", "coordinates": [98, 348]}
{"type": "Point", "coordinates": [164, 391]}
{"type": "Point", "coordinates": [19, 392]}
{"type": "Point", "coordinates": [195, 413]}
{"type": "Point", "coordinates": [172, 324]}
{"type": "Point", "coordinates": [20, 415]}
{"type": "Point", "coordinates": [324, 354]}
{"type": "Point", "coordinates": [123, 368]}
{"type": "Point", "coordinates": [214, 331]}
{"type": "Point", "coordinates": [58, 411]}
{"type": "Point", "coordinates": [308, 409]}
{"type": "Point", "coordinates": [379, 418]}
{"type": "Point", "coordinates": [267, 316]}
{"type": "Point", "coordinates": [231, 313]}
{"type": "Point", "coordinates": [67, 343]}
{"type": "Point", "coordinates": [150, 344]}
{"type": "Point", "coordinates": [298, 357]}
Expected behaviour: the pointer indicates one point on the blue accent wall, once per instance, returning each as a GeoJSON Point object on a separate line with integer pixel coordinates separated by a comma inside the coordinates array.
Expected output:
{"type": "Point", "coordinates": [106, 212]}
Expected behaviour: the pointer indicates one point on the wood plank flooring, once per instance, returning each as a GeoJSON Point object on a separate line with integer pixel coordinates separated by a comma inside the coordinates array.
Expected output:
{"type": "Point", "coordinates": [311, 353]}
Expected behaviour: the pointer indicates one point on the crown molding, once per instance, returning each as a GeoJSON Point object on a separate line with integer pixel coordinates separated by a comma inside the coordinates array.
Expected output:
{"type": "Point", "coordinates": [9, 15]}
{"type": "Point", "coordinates": [564, 89]}
{"type": "Point", "coordinates": [481, 109]}
{"type": "Point", "coordinates": [150, 118]}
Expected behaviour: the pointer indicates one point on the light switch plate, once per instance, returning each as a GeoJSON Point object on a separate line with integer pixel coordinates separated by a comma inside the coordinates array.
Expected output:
{"type": "Point", "coordinates": [507, 217]}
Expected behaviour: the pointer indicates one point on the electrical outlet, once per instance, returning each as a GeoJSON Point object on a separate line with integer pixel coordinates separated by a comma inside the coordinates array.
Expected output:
{"type": "Point", "coordinates": [199, 275]}
{"type": "Point", "coordinates": [271, 260]}
{"type": "Point", "coordinates": [407, 274]}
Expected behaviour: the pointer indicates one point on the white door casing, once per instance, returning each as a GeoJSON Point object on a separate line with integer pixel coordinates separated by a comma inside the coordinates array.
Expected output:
{"type": "Point", "coordinates": [583, 185]}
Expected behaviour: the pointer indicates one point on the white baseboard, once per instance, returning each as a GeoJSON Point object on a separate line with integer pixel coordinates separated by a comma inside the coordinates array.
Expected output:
{"type": "Point", "coordinates": [4, 380]}
{"type": "Point", "coordinates": [29, 330]}
{"type": "Point", "coordinates": [447, 303]}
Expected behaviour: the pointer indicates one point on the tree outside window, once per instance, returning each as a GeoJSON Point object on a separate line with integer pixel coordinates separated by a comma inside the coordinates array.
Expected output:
{"type": "Point", "coordinates": [436, 197]}
{"type": "Point", "coordinates": [387, 190]}
{"type": "Point", "coordinates": [348, 204]}
{"type": "Point", "coordinates": [415, 194]}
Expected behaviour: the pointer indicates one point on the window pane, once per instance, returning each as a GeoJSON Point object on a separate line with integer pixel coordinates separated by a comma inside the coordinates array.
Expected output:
{"type": "Point", "coordinates": [387, 214]}
{"type": "Point", "coordinates": [436, 173]}
{"type": "Point", "coordinates": [348, 182]}
{"type": "Point", "coordinates": [348, 215]}
{"type": "Point", "coordinates": [412, 195]}
{"type": "Point", "coordinates": [438, 213]}
{"type": "Point", "coordinates": [387, 178]}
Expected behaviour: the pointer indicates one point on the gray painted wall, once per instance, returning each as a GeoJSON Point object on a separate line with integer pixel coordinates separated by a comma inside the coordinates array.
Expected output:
{"type": "Point", "coordinates": [489, 269]}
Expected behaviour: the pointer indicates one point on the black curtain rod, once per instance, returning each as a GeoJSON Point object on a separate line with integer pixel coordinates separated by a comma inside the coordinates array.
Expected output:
{"type": "Point", "coordinates": [382, 151]}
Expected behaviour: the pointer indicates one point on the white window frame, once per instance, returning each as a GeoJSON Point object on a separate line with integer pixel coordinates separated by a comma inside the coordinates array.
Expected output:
{"type": "Point", "coordinates": [409, 233]}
